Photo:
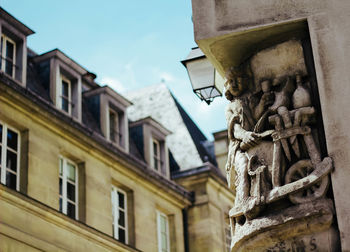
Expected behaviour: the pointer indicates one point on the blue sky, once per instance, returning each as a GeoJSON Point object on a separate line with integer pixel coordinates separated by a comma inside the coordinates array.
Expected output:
{"type": "Point", "coordinates": [127, 44]}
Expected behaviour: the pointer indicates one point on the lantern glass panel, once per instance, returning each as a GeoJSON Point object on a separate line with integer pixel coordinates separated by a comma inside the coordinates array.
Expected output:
{"type": "Point", "coordinates": [208, 93]}
{"type": "Point", "coordinates": [201, 73]}
{"type": "Point", "coordinates": [219, 82]}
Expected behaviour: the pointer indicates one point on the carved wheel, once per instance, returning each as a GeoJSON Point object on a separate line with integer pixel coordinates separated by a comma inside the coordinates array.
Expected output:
{"type": "Point", "coordinates": [300, 170]}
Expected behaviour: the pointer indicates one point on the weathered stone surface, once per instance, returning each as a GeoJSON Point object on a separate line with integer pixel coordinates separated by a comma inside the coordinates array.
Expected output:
{"type": "Point", "coordinates": [274, 63]}
{"type": "Point", "coordinates": [270, 100]}
{"type": "Point", "coordinates": [229, 31]}
{"type": "Point", "coordinates": [298, 221]}
{"type": "Point", "coordinates": [274, 157]}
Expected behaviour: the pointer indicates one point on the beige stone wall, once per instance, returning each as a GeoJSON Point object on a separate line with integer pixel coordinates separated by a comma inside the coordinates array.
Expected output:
{"type": "Point", "coordinates": [48, 139]}
{"type": "Point", "coordinates": [27, 225]}
{"type": "Point", "coordinates": [219, 204]}
{"type": "Point", "coordinates": [221, 149]}
{"type": "Point", "coordinates": [206, 218]}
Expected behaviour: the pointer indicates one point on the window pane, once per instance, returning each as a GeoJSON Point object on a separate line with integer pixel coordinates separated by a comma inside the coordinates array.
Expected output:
{"type": "Point", "coordinates": [9, 57]}
{"type": "Point", "coordinates": [121, 235]}
{"type": "Point", "coordinates": [65, 89]}
{"type": "Point", "coordinates": [60, 187]}
{"type": "Point", "coordinates": [65, 104]}
{"type": "Point", "coordinates": [121, 220]}
{"type": "Point", "coordinates": [12, 139]}
{"type": "Point", "coordinates": [155, 164]}
{"type": "Point", "coordinates": [121, 200]}
{"type": "Point", "coordinates": [0, 130]}
{"type": "Point", "coordinates": [112, 126]}
{"type": "Point", "coordinates": [11, 180]}
{"type": "Point", "coordinates": [0, 153]}
{"type": "Point", "coordinates": [1, 52]}
{"type": "Point", "coordinates": [155, 149]}
{"type": "Point", "coordinates": [71, 191]}
{"type": "Point", "coordinates": [61, 165]}
{"type": "Point", "coordinates": [70, 171]}
{"type": "Point", "coordinates": [9, 50]}
{"type": "Point", "coordinates": [71, 210]}
{"type": "Point", "coordinates": [164, 241]}
{"type": "Point", "coordinates": [8, 67]}
{"type": "Point", "coordinates": [162, 224]}
{"type": "Point", "coordinates": [60, 204]}
{"type": "Point", "coordinates": [11, 162]}
{"type": "Point", "coordinates": [228, 237]}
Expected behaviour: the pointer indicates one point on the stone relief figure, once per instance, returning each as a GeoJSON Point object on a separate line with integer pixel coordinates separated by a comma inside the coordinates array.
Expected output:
{"type": "Point", "coordinates": [241, 123]}
{"type": "Point", "coordinates": [281, 112]}
{"type": "Point", "coordinates": [274, 161]}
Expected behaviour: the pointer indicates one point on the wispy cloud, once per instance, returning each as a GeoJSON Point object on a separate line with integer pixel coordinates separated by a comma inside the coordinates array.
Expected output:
{"type": "Point", "coordinates": [124, 78]}
{"type": "Point", "coordinates": [114, 83]}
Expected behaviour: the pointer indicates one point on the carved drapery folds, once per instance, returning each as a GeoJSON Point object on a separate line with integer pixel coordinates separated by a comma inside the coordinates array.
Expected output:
{"type": "Point", "coordinates": [274, 153]}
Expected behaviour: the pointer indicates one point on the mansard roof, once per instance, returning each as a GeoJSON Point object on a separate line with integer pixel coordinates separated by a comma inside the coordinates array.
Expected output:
{"type": "Point", "coordinates": [188, 145]}
{"type": "Point", "coordinates": [56, 53]}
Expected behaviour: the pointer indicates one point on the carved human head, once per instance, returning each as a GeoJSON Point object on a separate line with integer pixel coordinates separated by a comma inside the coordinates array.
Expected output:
{"type": "Point", "coordinates": [265, 85]}
{"type": "Point", "coordinates": [235, 84]}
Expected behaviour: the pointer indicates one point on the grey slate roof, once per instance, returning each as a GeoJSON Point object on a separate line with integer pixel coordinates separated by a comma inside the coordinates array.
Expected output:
{"type": "Point", "coordinates": [36, 80]}
{"type": "Point", "coordinates": [204, 147]}
{"type": "Point", "coordinates": [186, 143]}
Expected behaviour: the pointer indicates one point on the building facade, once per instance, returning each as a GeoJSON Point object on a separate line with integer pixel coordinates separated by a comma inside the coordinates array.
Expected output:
{"type": "Point", "coordinates": [81, 172]}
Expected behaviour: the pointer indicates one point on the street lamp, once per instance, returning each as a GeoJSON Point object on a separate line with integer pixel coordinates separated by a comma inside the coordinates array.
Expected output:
{"type": "Point", "coordinates": [206, 82]}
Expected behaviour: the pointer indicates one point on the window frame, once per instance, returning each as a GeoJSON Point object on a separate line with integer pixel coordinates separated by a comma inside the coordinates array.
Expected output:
{"type": "Point", "coordinates": [3, 154]}
{"type": "Point", "coordinates": [159, 232]}
{"type": "Point", "coordinates": [157, 157]}
{"type": "Point", "coordinates": [227, 233]}
{"type": "Point", "coordinates": [4, 59]}
{"type": "Point", "coordinates": [64, 195]}
{"type": "Point", "coordinates": [61, 97]}
{"type": "Point", "coordinates": [117, 129]}
{"type": "Point", "coordinates": [115, 213]}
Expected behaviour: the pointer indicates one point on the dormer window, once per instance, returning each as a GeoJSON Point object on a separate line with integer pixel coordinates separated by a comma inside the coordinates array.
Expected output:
{"type": "Point", "coordinates": [109, 110]}
{"type": "Point", "coordinates": [157, 162]}
{"type": "Point", "coordinates": [13, 47]}
{"type": "Point", "coordinates": [67, 90]}
{"type": "Point", "coordinates": [149, 137]}
{"type": "Point", "coordinates": [115, 135]}
{"type": "Point", "coordinates": [66, 95]}
{"type": "Point", "coordinates": [63, 78]}
{"type": "Point", "coordinates": [8, 55]}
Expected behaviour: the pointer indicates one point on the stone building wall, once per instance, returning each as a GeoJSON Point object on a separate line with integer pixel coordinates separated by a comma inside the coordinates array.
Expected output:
{"type": "Point", "coordinates": [35, 222]}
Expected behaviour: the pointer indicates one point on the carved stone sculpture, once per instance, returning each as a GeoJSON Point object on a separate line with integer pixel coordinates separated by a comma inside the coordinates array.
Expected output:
{"type": "Point", "coordinates": [273, 154]}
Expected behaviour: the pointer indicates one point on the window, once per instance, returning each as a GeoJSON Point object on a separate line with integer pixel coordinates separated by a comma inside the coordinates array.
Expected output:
{"type": "Point", "coordinates": [119, 211]}
{"type": "Point", "coordinates": [8, 55]}
{"type": "Point", "coordinates": [115, 135]}
{"type": "Point", "coordinates": [68, 188]}
{"type": "Point", "coordinates": [156, 155]}
{"type": "Point", "coordinates": [66, 95]}
{"type": "Point", "coordinates": [227, 234]}
{"type": "Point", "coordinates": [9, 160]}
{"type": "Point", "coordinates": [163, 232]}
